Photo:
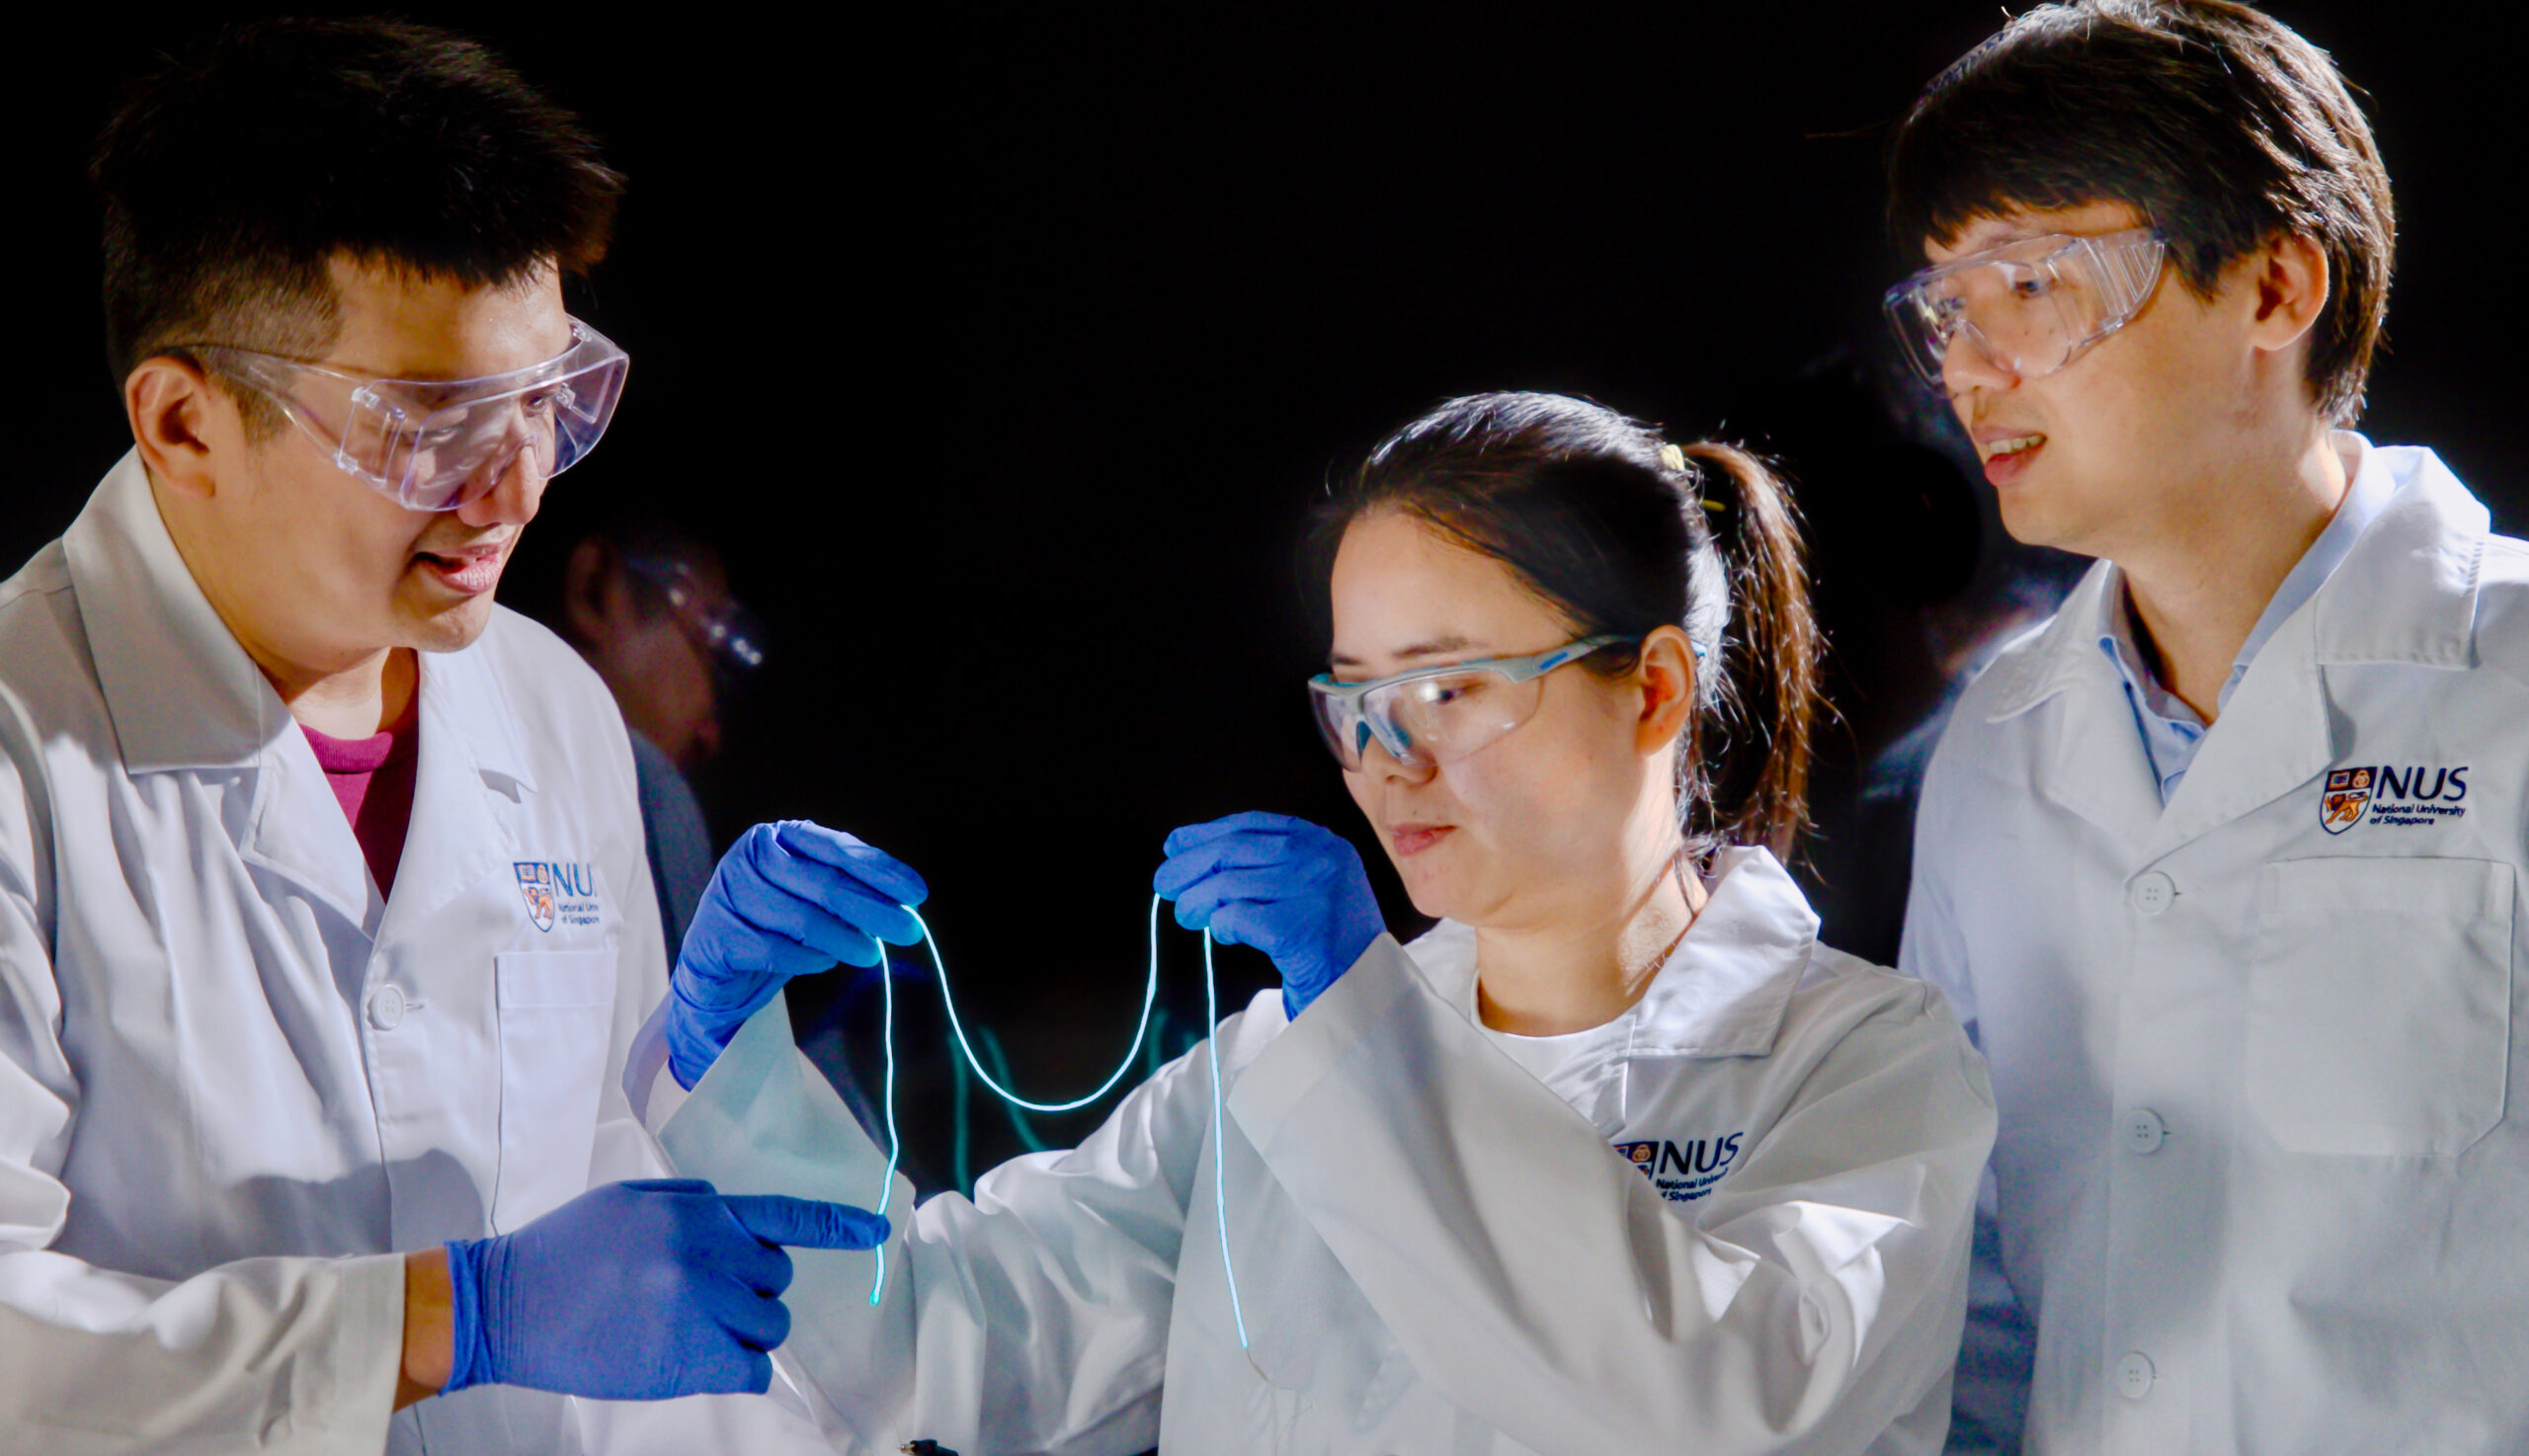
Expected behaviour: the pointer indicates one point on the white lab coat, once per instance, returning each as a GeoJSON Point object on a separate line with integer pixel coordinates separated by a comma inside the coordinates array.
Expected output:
{"type": "Point", "coordinates": [233, 1080]}
{"type": "Point", "coordinates": [2260, 1181]}
{"type": "Point", "coordinates": [1437, 1253]}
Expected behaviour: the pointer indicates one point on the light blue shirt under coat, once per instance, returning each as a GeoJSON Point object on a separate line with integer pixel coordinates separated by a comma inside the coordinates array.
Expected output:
{"type": "Point", "coordinates": [2171, 731]}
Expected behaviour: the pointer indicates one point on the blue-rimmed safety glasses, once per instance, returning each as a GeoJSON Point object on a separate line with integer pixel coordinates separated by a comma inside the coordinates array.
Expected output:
{"type": "Point", "coordinates": [434, 445]}
{"type": "Point", "coordinates": [2029, 307]}
{"type": "Point", "coordinates": [1438, 714]}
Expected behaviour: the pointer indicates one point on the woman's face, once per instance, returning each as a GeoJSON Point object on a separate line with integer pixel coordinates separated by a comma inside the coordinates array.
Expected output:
{"type": "Point", "coordinates": [1553, 820]}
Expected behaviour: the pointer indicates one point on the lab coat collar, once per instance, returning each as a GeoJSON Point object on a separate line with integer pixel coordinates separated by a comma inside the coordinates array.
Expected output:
{"type": "Point", "coordinates": [181, 690]}
{"type": "Point", "coordinates": [2418, 558]}
{"type": "Point", "coordinates": [2404, 593]}
{"type": "Point", "coordinates": [1721, 993]}
{"type": "Point", "coordinates": [182, 694]}
{"type": "Point", "coordinates": [2098, 766]}
{"type": "Point", "coordinates": [471, 770]}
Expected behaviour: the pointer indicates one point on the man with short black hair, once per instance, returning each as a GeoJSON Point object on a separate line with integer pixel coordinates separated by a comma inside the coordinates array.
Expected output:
{"type": "Point", "coordinates": [324, 927]}
{"type": "Point", "coordinates": [2220, 864]}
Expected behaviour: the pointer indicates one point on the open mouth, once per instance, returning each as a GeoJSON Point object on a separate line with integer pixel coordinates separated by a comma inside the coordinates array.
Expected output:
{"type": "Point", "coordinates": [468, 573]}
{"type": "Point", "coordinates": [2007, 458]}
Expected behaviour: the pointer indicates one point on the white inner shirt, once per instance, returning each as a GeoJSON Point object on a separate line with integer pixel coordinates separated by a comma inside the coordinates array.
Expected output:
{"type": "Point", "coordinates": [1543, 1056]}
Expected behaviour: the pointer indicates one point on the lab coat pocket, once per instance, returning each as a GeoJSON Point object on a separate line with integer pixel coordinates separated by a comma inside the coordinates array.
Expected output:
{"type": "Point", "coordinates": [2379, 1003]}
{"type": "Point", "coordinates": [558, 1019]}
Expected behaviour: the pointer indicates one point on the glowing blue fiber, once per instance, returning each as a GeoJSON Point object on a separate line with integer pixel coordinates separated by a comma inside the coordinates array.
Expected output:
{"type": "Point", "coordinates": [966, 1048]}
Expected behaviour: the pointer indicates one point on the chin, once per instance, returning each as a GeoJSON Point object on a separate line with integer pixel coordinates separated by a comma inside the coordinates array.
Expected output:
{"type": "Point", "coordinates": [2040, 522]}
{"type": "Point", "coordinates": [1442, 895]}
{"type": "Point", "coordinates": [451, 631]}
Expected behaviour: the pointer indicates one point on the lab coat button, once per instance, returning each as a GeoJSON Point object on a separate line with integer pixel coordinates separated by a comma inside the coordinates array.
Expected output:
{"type": "Point", "coordinates": [2144, 1130]}
{"type": "Point", "coordinates": [2134, 1375]}
{"type": "Point", "coordinates": [386, 1008]}
{"type": "Point", "coordinates": [2151, 893]}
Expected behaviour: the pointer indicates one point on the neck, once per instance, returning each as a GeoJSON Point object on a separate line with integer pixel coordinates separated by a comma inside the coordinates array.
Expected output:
{"type": "Point", "coordinates": [1586, 970]}
{"type": "Point", "coordinates": [2199, 586]}
{"type": "Point", "coordinates": [354, 702]}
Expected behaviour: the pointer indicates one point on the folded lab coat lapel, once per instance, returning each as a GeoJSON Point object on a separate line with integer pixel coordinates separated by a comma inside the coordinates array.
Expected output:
{"type": "Point", "coordinates": [467, 788]}
{"type": "Point", "coordinates": [2407, 593]}
{"type": "Point", "coordinates": [185, 698]}
{"type": "Point", "coordinates": [2404, 595]}
{"type": "Point", "coordinates": [1724, 989]}
{"type": "Point", "coordinates": [2093, 762]}
{"type": "Point", "coordinates": [2270, 740]}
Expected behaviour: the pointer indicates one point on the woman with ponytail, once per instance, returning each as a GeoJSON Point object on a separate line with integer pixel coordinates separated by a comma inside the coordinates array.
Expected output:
{"type": "Point", "coordinates": [1618, 1159]}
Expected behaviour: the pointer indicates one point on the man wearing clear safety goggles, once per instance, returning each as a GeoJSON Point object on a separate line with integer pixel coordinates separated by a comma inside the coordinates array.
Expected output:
{"type": "Point", "coordinates": [324, 918]}
{"type": "Point", "coordinates": [2193, 858]}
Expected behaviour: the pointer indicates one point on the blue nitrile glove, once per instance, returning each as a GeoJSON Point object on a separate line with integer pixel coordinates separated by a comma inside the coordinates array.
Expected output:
{"type": "Point", "coordinates": [787, 898]}
{"type": "Point", "coordinates": [639, 1291]}
{"type": "Point", "coordinates": [1290, 888]}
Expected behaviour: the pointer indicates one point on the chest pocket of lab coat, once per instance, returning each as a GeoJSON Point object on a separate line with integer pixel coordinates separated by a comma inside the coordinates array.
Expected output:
{"type": "Point", "coordinates": [2379, 1003]}
{"type": "Point", "coordinates": [557, 1020]}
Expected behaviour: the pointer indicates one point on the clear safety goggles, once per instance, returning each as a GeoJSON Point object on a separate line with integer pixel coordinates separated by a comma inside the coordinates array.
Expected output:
{"type": "Point", "coordinates": [2027, 307]}
{"type": "Point", "coordinates": [1439, 715]}
{"type": "Point", "coordinates": [434, 445]}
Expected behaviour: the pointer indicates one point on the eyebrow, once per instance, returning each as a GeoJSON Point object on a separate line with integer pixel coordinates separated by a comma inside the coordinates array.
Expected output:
{"type": "Point", "coordinates": [1435, 647]}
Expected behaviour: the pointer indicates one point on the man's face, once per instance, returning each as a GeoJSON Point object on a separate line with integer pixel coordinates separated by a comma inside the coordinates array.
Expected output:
{"type": "Point", "coordinates": [2121, 445]}
{"type": "Point", "coordinates": [314, 567]}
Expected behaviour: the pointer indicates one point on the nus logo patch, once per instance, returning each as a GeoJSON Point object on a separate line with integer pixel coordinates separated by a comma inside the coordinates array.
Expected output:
{"type": "Point", "coordinates": [558, 891]}
{"type": "Point", "coordinates": [2392, 795]}
{"type": "Point", "coordinates": [1682, 1172]}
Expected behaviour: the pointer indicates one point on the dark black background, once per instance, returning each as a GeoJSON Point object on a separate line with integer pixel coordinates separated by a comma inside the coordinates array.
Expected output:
{"type": "Point", "coordinates": [1002, 353]}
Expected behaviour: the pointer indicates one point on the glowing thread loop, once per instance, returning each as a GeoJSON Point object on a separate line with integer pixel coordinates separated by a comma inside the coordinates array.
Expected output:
{"type": "Point", "coordinates": [966, 1048]}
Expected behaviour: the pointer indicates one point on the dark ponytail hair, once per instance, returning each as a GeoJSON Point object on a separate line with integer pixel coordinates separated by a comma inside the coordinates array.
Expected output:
{"type": "Point", "coordinates": [1622, 532]}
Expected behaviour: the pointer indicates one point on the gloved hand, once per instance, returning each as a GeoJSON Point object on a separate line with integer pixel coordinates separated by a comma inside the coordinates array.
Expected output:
{"type": "Point", "coordinates": [787, 898]}
{"type": "Point", "coordinates": [1290, 888]}
{"type": "Point", "coordinates": [639, 1291]}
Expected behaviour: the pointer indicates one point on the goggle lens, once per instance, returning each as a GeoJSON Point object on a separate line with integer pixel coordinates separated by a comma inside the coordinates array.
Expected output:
{"type": "Point", "coordinates": [437, 446]}
{"type": "Point", "coordinates": [1423, 721]}
{"type": "Point", "coordinates": [2027, 308]}
{"type": "Point", "coordinates": [460, 452]}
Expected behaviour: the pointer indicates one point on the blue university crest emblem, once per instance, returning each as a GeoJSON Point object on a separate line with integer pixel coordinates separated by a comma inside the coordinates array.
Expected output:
{"type": "Point", "coordinates": [2346, 799]}
{"type": "Point", "coordinates": [536, 886]}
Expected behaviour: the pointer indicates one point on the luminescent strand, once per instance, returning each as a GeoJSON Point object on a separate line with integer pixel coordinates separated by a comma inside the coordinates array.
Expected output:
{"type": "Point", "coordinates": [1150, 998]}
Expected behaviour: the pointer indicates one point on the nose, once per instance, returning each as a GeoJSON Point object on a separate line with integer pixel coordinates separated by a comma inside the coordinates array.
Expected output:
{"type": "Point", "coordinates": [1416, 767]}
{"type": "Point", "coordinates": [1968, 364]}
{"type": "Point", "coordinates": [514, 497]}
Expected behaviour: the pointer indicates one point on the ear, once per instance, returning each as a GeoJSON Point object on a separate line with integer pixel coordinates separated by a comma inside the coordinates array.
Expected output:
{"type": "Point", "coordinates": [2291, 281]}
{"type": "Point", "coordinates": [589, 582]}
{"type": "Point", "coordinates": [1666, 674]}
{"type": "Point", "coordinates": [173, 408]}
